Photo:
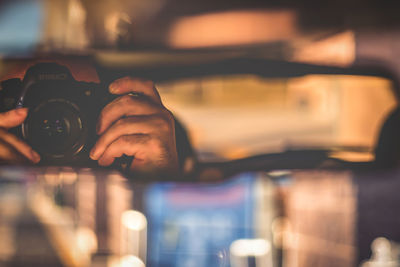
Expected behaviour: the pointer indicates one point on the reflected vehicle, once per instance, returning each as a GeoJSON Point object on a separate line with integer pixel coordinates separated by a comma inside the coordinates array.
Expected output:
{"type": "Point", "coordinates": [287, 128]}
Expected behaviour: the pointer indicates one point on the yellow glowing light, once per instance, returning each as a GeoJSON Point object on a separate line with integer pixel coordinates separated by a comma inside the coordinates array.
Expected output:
{"type": "Point", "coordinates": [134, 220]}
{"type": "Point", "coordinates": [233, 28]}
{"type": "Point", "coordinates": [339, 49]}
{"type": "Point", "coordinates": [250, 247]}
{"type": "Point", "coordinates": [131, 261]}
{"type": "Point", "coordinates": [112, 24]}
{"type": "Point", "coordinates": [86, 240]}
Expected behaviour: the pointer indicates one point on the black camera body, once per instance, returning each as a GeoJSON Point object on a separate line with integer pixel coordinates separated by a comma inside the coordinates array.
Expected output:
{"type": "Point", "coordinates": [62, 117]}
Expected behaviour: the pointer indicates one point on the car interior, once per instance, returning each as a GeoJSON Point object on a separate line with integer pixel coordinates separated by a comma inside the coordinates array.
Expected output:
{"type": "Point", "coordinates": [286, 125]}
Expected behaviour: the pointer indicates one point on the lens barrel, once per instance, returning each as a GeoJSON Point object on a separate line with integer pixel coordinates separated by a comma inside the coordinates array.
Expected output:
{"type": "Point", "coordinates": [55, 129]}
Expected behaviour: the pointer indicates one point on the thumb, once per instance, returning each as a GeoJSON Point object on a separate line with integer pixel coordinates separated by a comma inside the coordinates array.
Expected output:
{"type": "Point", "coordinates": [13, 117]}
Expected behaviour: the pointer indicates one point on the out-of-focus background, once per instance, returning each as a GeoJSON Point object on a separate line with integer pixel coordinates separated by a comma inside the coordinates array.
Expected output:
{"type": "Point", "coordinates": [245, 78]}
{"type": "Point", "coordinates": [258, 114]}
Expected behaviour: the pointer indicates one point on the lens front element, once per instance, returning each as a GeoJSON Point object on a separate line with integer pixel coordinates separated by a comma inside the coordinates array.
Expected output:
{"type": "Point", "coordinates": [55, 129]}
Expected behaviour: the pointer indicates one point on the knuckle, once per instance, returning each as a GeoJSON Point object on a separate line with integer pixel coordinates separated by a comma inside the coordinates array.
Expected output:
{"type": "Point", "coordinates": [121, 122]}
{"type": "Point", "coordinates": [163, 122]}
{"type": "Point", "coordinates": [125, 139]}
{"type": "Point", "coordinates": [126, 100]}
{"type": "Point", "coordinates": [149, 84]}
{"type": "Point", "coordinates": [139, 101]}
{"type": "Point", "coordinates": [155, 144]}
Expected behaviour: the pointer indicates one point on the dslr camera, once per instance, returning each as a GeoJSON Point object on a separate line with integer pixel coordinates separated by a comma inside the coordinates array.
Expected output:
{"type": "Point", "coordinates": [61, 122]}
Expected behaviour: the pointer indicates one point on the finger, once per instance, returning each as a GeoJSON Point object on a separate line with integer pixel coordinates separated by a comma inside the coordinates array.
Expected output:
{"type": "Point", "coordinates": [13, 117]}
{"type": "Point", "coordinates": [10, 155]}
{"type": "Point", "coordinates": [129, 84]}
{"type": "Point", "coordinates": [131, 125]}
{"type": "Point", "coordinates": [129, 145]}
{"type": "Point", "coordinates": [20, 146]}
{"type": "Point", "coordinates": [124, 106]}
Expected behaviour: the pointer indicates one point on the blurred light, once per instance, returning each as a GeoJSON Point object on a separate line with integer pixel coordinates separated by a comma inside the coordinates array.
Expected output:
{"type": "Point", "coordinates": [384, 253]}
{"type": "Point", "coordinates": [243, 250]}
{"type": "Point", "coordinates": [134, 234]}
{"type": "Point", "coordinates": [250, 247]}
{"type": "Point", "coordinates": [86, 240]}
{"type": "Point", "coordinates": [339, 49]}
{"type": "Point", "coordinates": [113, 25]}
{"type": "Point", "coordinates": [233, 28]}
{"type": "Point", "coordinates": [116, 177]}
{"type": "Point", "coordinates": [279, 173]}
{"type": "Point", "coordinates": [381, 248]}
{"type": "Point", "coordinates": [235, 152]}
{"type": "Point", "coordinates": [353, 156]}
{"type": "Point", "coordinates": [134, 220]}
{"type": "Point", "coordinates": [119, 200]}
{"type": "Point", "coordinates": [75, 30]}
{"type": "Point", "coordinates": [131, 261]}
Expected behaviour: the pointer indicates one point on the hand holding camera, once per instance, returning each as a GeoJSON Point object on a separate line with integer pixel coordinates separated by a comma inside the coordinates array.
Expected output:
{"type": "Point", "coordinates": [68, 121]}
{"type": "Point", "coordinates": [12, 149]}
{"type": "Point", "coordinates": [136, 124]}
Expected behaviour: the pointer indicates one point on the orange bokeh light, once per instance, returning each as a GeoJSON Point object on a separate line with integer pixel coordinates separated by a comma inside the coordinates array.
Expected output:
{"type": "Point", "coordinates": [233, 28]}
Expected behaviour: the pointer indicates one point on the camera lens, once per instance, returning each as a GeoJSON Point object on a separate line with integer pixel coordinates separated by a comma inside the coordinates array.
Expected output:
{"type": "Point", "coordinates": [55, 129]}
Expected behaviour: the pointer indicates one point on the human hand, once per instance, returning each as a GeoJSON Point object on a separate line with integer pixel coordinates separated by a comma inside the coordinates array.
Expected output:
{"type": "Point", "coordinates": [137, 124]}
{"type": "Point", "coordinates": [12, 149]}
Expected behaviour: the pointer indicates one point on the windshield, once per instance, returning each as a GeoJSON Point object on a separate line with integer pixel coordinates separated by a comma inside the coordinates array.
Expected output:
{"type": "Point", "coordinates": [242, 115]}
